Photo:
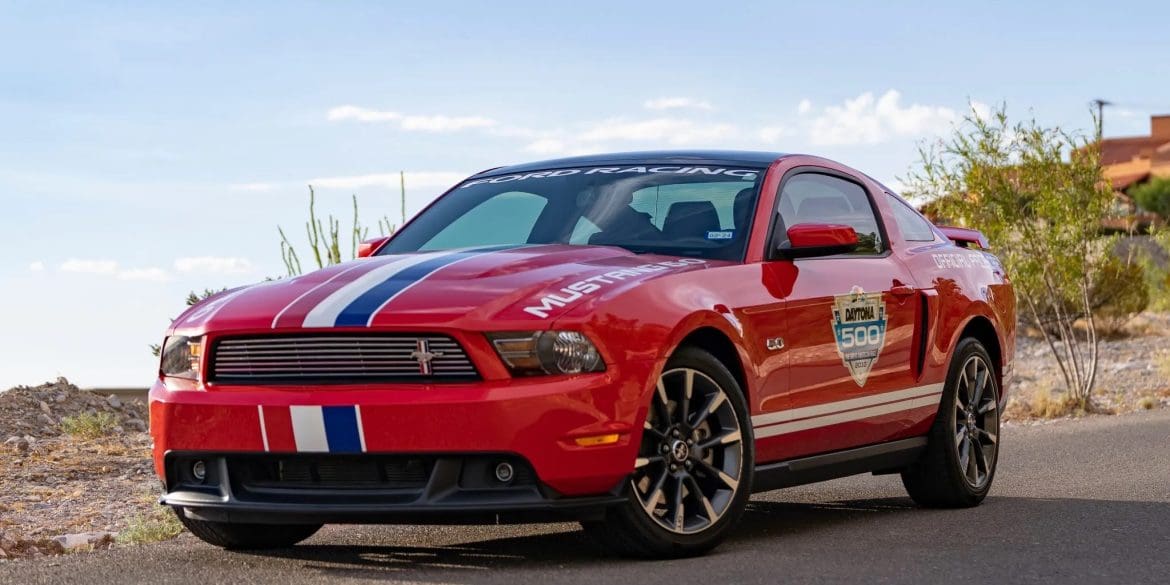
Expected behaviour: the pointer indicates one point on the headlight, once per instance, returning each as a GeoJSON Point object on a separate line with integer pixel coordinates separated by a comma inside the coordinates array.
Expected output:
{"type": "Point", "coordinates": [180, 357]}
{"type": "Point", "coordinates": [532, 353]}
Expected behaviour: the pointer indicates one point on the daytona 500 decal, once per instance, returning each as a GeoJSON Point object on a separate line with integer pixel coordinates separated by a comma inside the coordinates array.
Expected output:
{"type": "Point", "coordinates": [859, 326]}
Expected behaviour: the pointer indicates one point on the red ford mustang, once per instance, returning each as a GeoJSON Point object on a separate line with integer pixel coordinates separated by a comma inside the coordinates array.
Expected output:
{"type": "Point", "coordinates": [635, 341]}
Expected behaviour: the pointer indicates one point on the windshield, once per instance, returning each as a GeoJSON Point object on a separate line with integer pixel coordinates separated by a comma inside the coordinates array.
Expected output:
{"type": "Point", "coordinates": [701, 212]}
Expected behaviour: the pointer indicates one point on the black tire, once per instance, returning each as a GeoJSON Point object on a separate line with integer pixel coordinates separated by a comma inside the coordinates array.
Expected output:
{"type": "Point", "coordinates": [247, 536]}
{"type": "Point", "coordinates": [942, 478]}
{"type": "Point", "coordinates": [706, 471]}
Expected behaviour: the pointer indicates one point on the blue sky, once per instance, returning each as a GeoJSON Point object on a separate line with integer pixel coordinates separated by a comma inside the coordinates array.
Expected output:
{"type": "Point", "coordinates": [149, 149]}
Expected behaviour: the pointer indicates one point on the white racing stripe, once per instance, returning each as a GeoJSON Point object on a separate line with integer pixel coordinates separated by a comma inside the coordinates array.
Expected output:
{"type": "Point", "coordinates": [843, 405]}
{"type": "Point", "coordinates": [843, 417]}
{"type": "Point", "coordinates": [311, 291]}
{"type": "Point", "coordinates": [309, 429]}
{"type": "Point", "coordinates": [326, 312]}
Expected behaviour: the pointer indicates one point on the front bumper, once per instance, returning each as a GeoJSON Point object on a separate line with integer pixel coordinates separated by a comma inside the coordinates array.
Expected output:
{"type": "Point", "coordinates": [536, 420]}
{"type": "Point", "coordinates": [312, 489]}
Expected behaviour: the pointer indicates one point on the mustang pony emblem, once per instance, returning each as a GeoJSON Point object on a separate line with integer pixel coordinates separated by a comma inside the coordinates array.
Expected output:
{"type": "Point", "coordinates": [859, 325]}
{"type": "Point", "coordinates": [424, 355]}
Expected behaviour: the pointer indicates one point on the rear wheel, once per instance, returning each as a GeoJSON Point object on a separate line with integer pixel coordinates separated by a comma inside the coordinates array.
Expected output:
{"type": "Point", "coordinates": [692, 476]}
{"type": "Point", "coordinates": [247, 536]}
{"type": "Point", "coordinates": [959, 464]}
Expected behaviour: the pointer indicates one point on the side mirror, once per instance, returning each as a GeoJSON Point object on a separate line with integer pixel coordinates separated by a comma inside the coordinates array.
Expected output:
{"type": "Point", "coordinates": [368, 247]}
{"type": "Point", "coordinates": [817, 239]}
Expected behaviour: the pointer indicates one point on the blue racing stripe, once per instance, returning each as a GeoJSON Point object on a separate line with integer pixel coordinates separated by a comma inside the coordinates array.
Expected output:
{"type": "Point", "coordinates": [358, 312]}
{"type": "Point", "coordinates": [341, 429]}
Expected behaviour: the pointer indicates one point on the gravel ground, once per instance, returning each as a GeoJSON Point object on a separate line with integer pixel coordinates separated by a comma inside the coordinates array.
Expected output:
{"type": "Point", "coordinates": [1133, 374]}
{"type": "Point", "coordinates": [60, 492]}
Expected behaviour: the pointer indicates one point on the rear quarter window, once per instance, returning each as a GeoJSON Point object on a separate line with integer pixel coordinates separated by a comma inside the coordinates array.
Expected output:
{"type": "Point", "coordinates": [913, 226]}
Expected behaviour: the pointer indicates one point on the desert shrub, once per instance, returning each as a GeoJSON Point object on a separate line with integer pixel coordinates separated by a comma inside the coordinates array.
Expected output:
{"type": "Point", "coordinates": [89, 425]}
{"type": "Point", "coordinates": [1038, 194]}
{"type": "Point", "coordinates": [1153, 195]}
{"type": "Point", "coordinates": [1119, 292]}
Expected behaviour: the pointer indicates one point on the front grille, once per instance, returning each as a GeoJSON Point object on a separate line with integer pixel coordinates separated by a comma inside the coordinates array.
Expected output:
{"type": "Point", "coordinates": [339, 358]}
{"type": "Point", "coordinates": [331, 472]}
{"type": "Point", "coordinates": [328, 478]}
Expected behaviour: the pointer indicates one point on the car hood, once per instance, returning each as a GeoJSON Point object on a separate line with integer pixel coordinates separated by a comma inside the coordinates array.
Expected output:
{"type": "Point", "coordinates": [484, 288]}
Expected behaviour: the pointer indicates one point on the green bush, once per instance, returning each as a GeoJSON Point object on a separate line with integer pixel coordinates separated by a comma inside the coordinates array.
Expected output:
{"type": "Point", "coordinates": [1153, 195]}
{"type": "Point", "coordinates": [89, 425]}
{"type": "Point", "coordinates": [1119, 292]}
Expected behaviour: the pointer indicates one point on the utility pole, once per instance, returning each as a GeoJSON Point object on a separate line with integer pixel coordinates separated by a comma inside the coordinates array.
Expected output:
{"type": "Point", "coordinates": [1100, 103]}
{"type": "Point", "coordinates": [402, 186]}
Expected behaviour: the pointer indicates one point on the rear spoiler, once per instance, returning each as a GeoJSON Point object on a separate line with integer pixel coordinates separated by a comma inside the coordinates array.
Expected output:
{"type": "Point", "coordinates": [964, 237]}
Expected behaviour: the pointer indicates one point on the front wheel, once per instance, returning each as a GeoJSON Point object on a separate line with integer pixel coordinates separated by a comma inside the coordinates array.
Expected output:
{"type": "Point", "coordinates": [247, 536]}
{"type": "Point", "coordinates": [959, 463]}
{"type": "Point", "coordinates": [692, 477]}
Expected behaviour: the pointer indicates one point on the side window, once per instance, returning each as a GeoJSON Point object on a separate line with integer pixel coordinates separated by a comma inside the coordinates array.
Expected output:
{"type": "Point", "coordinates": [817, 198]}
{"type": "Point", "coordinates": [506, 218]}
{"type": "Point", "coordinates": [914, 227]}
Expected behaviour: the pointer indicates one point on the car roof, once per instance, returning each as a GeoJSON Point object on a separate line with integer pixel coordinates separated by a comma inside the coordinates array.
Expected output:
{"type": "Point", "coordinates": [731, 158]}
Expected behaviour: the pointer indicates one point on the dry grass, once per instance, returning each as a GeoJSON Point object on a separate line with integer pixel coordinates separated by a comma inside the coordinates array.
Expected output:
{"type": "Point", "coordinates": [89, 425]}
{"type": "Point", "coordinates": [1044, 403]}
{"type": "Point", "coordinates": [156, 525]}
{"type": "Point", "coordinates": [1162, 362]}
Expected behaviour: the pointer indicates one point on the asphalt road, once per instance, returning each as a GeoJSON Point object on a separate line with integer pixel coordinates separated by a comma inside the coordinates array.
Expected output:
{"type": "Point", "coordinates": [1073, 502]}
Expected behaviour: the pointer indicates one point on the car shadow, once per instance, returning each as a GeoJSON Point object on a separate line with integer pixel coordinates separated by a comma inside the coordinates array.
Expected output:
{"type": "Point", "coordinates": [885, 526]}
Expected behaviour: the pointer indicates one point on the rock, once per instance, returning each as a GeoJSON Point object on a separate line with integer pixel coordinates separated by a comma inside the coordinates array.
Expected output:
{"type": "Point", "coordinates": [136, 424]}
{"type": "Point", "coordinates": [46, 419]}
{"type": "Point", "coordinates": [84, 540]}
{"type": "Point", "coordinates": [114, 401]}
{"type": "Point", "coordinates": [17, 444]}
{"type": "Point", "coordinates": [45, 407]}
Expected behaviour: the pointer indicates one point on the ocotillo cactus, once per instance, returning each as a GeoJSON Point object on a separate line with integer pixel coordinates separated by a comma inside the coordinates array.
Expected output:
{"type": "Point", "coordinates": [326, 245]}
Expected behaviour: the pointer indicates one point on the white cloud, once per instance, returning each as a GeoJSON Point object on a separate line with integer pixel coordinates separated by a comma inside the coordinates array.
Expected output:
{"type": "Point", "coordinates": [445, 123]}
{"type": "Point", "coordinates": [36, 266]}
{"type": "Point", "coordinates": [89, 266]}
{"type": "Point", "coordinates": [653, 132]}
{"type": "Point", "coordinates": [423, 179]}
{"type": "Point", "coordinates": [252, 187]}
{"type": "Point", "coordinates": [426, 123]}
{"type": "Point", "coordinates": [773, 134]}
{"type": "Point", "coordinates": [981, 110]}
{"type": "Point", "coordinates": [110, 268]}
{"type": "Point", "coordinates": [348, 112]}
{"type": "Point", "coordinates": [213, 264]}
{"type": "Point", "coordinates": [668, 103]}
{"type": "Point", "coordinates": [546, 146]}
{"type": "Point", "coordinates": [672, 131]}
{"type": "Point", "coordinates": [804, 107]}
{"type": "Point", "coordinates": [144, 274]}
{"type": "Point", "coordinates": [866, 120]}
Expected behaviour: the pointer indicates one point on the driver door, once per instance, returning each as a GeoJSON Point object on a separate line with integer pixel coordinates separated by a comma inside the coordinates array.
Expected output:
{"type": "Point", "coordinates": [850, 322]}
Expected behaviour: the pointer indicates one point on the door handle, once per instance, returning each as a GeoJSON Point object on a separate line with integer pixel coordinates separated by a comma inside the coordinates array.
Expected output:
{"type": "Point", "coordinates": [902, 291]}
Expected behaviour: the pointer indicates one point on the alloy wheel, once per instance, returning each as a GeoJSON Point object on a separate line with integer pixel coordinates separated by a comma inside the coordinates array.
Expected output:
{"type": "Point", "coordinates": [690, 461]}
{"type": "Point", "coordinates": [976, 422]}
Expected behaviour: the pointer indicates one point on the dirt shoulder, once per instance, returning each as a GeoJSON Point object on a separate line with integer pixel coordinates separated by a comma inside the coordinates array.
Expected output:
{"type": "Point", "coordinates": [60, 492]}
{"type": "Point", "coordinates": [1133, 373]}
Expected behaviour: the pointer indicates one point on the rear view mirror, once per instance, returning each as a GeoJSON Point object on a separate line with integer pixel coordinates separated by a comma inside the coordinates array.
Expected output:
{"type": "Point", "coordinates": [805, 240]}
{"type": "Point", "coordinates": [368, 247]}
